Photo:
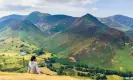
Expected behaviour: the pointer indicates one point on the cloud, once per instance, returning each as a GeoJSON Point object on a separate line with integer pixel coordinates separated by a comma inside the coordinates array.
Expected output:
{"type": "Point", "coordinates": [72, 1]}
{"type": "Point", "coordinates": [17, 2]}
{"type": "Point", "coordinates": [42, 2]}
{"type": "Point", "coordinates": [94, 9]}
{"type": "Point", "coordinates": [69, 7]}
{"type": "Point", "coordinates": [14, 8]}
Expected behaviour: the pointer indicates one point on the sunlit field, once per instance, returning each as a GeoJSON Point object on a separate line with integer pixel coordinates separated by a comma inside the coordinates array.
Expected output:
{"type": "Point", "coordinates": [25, 76]}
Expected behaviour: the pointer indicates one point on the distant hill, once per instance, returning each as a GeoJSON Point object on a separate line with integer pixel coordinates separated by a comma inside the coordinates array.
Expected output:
{"type": "Point", "coordinates": [130, 32]}
{"type": "Point", "coordinates": [13, 16]}
{"type": "Point", "coordinates": [120, 22]}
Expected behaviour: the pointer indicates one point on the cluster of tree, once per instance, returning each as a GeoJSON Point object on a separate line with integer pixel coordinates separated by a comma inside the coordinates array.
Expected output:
{"type": "Point", "coordinates": [66, 70]}
{"type": "Point", "coordinates": [68, 67]}
{"type": "Point", "coordinates": [122, 74]}
{"type": "Point", "coordinates": [39, 51]}
{"type": "Point", "coordinates": [97, 76]}
{"type": "Point", "coordinates": [42, 64]}
{"type": "Point", "coordinates": [50, 60]}
{"type": "Point", "coordinates": [60, 71]}
{"type": "Point", "coordinates": [50, 66]}
{"type": "Point", "coordinates": [85, 68]}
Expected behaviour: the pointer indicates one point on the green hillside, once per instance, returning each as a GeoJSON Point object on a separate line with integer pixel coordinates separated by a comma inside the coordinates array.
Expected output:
{"type": "Point", "coordinates": [16, 33]}
{"type": "Point", "coordinates": [90, 42]}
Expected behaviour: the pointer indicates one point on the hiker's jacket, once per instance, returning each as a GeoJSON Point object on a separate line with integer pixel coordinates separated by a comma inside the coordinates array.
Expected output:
{"type": "Point", "coordinates": [33, 67]}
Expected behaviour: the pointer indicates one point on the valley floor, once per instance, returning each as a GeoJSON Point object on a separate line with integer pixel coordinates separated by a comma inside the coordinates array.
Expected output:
{"type": "Point", "coordinates": [26, 76]}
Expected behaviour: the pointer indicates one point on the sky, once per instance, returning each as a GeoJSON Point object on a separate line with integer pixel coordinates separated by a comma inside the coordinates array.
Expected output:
{"type": "Point", "coordinates": [76, 8]}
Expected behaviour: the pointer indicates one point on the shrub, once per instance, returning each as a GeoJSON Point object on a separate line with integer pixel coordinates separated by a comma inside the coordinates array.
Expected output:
{"type": "Point", "coordinates": [39, 51]}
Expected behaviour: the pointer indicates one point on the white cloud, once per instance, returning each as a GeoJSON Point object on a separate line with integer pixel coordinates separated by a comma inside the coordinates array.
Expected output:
{"type": "Point", "coordinates": [94, 9]}
{"type": "Point", "coordinates": [18, 2]}
{"type": "Point", "coordinates": [72, 1]}
{"type": "Point", "coordinates": [35, 2]}
{"type": "Point", "coordinates": [88, 1]}
{"type": "Point", "coordinates": [69, 7]}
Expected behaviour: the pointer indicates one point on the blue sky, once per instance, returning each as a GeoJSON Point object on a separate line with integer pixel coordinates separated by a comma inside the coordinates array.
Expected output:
{"type": "Point", "coordinates": [99, 8]}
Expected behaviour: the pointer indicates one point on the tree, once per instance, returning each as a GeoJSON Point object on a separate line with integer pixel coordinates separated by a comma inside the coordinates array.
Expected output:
{"type": "Point", "coordinates": [39, 52]}
{"type": "Point", "coordinates": [60, 72]}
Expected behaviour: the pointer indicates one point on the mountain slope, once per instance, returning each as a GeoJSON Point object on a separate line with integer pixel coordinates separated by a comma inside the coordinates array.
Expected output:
{"type": "Point", "coordinates": [119, 22]}
{"type": "Point", "coordinates": [50, 24]}
{"type": "Point", "coordinates": [124, 20]}
{"type": "Point", "coordinates": [88, 41]}
{"type": "Point", "coordinates": [17, 32]}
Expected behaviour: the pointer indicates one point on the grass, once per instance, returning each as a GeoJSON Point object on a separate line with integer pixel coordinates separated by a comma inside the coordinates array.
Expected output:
{"type": "Point", "coordinates": [13, 62]}
{"type": "Point", "coordinates": [46, 71]}
{"type": "Point", "coordinates": [46, 55]}
{"type": "Point", "coordinates": [114, 77]}
{"type": "Point", "coordinates": [12, 45]}
{"type": "Point", "coordinates": [25, 76]}
{"type": "Point", "coordinates": [123, 59]}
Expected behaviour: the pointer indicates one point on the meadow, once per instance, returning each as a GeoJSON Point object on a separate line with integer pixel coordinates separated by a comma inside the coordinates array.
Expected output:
{"type": "Point", "coordinates": [14, 67]}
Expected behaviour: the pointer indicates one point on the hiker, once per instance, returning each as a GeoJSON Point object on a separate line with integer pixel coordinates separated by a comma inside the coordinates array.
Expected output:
{"type": "Point", "coordinates": [33, 66]}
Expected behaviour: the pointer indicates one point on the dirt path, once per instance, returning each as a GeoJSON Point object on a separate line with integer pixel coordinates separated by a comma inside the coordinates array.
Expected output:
{"type": "Point", "coordinates": [25, 76]}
